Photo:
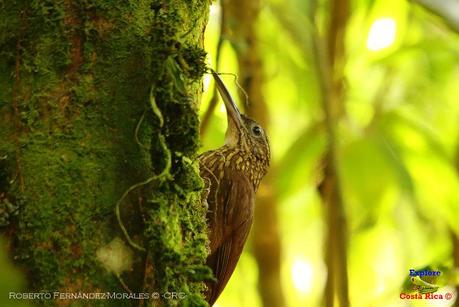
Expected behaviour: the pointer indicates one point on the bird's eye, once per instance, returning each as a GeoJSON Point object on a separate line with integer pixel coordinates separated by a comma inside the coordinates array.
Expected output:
{"type": "Point", "coordinates": [256, 130]}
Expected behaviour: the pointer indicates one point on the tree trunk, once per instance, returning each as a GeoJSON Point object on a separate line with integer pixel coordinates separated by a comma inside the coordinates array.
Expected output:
{"type": "Point", "coordinates": [98, 112]}
{"type": "Point", "coordinates": [330, 60]}
{"type": "Point", "coordinates": [241, 20]}
{"type": "Point", "coordinates": [455, 236]}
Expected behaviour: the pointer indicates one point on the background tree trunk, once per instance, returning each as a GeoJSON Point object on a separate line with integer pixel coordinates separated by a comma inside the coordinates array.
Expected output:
{"type": "Point", "coordinates": [454, 236]}
{"type": "Point", "coordinates": [330, 59]}
{"type": "Point", "coordinates": [241, 17]}
{"type": "Point", "coordinates": [95, 99]}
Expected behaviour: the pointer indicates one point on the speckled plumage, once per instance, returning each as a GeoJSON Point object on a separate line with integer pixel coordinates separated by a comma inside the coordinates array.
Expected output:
{"type": "Point", "coordinates": [232, 174]}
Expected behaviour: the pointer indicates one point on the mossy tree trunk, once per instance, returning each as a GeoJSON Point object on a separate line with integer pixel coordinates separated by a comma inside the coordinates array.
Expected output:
{"type": "Point", "coordinates": [98, 110]}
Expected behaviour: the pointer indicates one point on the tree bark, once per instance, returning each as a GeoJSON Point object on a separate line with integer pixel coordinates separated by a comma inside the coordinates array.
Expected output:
{"type": "Point", "coordinates": [98, 112]}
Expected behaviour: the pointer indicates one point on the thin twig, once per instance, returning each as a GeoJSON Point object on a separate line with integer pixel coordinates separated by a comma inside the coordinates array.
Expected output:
{"type": "Point", "coordinates": [123, 284]}
{"type": "Point", "coordinates": [239, 86]}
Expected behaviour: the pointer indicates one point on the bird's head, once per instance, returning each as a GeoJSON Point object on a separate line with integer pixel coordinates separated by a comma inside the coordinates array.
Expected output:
{"type": "Point", "coordinates": [243, 132]}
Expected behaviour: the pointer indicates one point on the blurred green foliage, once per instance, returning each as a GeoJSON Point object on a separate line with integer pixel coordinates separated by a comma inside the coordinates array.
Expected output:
{"type": "Point", "coordinates": [397, 145]}
{"type": "Point", "coordinates": [11, 281]}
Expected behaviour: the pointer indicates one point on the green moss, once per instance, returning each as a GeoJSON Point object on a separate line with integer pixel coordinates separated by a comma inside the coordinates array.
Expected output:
{"type": "Point", "coordinates": [85, 75]}
{"type": "Point", "coordinates": [180, 247]}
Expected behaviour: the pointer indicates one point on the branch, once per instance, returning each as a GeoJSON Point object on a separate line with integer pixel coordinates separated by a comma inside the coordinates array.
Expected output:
{"type": "Point", "coordinates": [448, 10]}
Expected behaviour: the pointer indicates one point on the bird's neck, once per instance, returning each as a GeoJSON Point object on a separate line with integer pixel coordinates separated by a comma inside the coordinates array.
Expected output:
{"type": "Point", "coordinates": [244, 162]}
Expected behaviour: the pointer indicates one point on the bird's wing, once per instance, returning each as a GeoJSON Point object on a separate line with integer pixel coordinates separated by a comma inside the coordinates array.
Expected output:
{"type": "Point", "coordinates": [237, 201]}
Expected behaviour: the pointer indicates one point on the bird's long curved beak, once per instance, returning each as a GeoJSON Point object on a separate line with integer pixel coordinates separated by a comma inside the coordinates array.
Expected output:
{"type": "Point", "coordinates": [234, 116]}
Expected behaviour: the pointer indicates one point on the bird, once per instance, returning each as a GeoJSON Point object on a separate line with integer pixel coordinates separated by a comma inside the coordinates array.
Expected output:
{"type": "Point", "coordinates": [232, 174]}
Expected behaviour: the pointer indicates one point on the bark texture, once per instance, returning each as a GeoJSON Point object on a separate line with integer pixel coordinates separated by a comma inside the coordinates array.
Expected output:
{"type": "Point", "coordinates": [98, 111]}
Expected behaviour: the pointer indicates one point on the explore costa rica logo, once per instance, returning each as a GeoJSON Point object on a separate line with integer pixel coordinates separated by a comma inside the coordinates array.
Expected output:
{"type": "Point", "coordinates": [422, 286]}
{"type": "Point", "coordinates": [426, 296]}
